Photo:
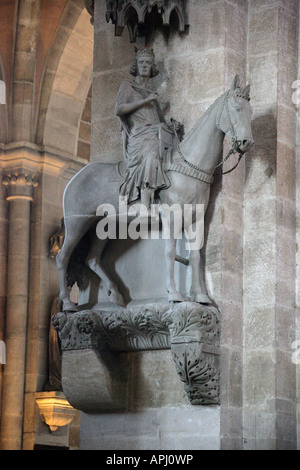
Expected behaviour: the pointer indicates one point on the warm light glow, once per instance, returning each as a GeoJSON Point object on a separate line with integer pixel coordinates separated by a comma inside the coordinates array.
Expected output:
{"type": "Point", "coordinates": [55, 410]}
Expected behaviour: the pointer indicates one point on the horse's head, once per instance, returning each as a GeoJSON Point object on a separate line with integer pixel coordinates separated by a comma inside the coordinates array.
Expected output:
{"type": "Point", "coordinates": [235, 116]}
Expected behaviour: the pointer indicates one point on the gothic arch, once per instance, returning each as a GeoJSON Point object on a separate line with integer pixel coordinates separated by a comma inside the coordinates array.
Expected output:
{"type": "Point", "coordinates": [70, 88]}
{"type": "Point", "coordinates": [179, 15]}
{"type": "Point", "coordinates": [66, 81]}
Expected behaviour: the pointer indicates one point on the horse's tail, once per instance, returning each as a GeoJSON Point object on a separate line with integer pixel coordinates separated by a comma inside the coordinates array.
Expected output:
{"type": "Point", "coordinates": [77, 271]}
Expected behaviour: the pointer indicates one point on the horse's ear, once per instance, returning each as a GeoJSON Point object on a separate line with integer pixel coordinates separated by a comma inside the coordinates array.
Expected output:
{"type": "Point", "coordinates": [247, 91]}
{"type": "Point", "coordinates": [235, 83]}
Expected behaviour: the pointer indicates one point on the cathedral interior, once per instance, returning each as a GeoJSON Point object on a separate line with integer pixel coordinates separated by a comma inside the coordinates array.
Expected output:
{"type": "Point", "coordinates": [61, 65]}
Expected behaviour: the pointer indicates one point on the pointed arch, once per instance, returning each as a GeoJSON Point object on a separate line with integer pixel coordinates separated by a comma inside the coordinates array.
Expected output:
{"type": "Point", "coordinates": [180, 17]}
{"type": "Point", "coordinates": [60, 114]}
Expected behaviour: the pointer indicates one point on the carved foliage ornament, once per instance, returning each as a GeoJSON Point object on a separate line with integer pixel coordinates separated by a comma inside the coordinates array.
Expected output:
{"type": "Point", "coordinates": [191, 330]}
{"type": "Point", "coordinates": [133, 14]}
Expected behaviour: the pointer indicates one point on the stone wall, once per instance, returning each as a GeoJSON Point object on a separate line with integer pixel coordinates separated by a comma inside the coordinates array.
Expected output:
{"type": "Point", "coordinates": [250, 250]}
{"type": "Point", "coordinates": [269, 238]}
{"type": "Point", "coordinates": [251, 253]}
{"type": "Point", "coordinates": [297, 255]}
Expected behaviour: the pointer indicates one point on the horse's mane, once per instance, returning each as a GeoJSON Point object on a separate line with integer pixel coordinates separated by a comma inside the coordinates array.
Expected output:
{"type": "Point", "coordinates": [199, 122]}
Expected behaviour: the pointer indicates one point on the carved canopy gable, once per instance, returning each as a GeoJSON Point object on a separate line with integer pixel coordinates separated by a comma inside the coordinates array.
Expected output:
{"type": "Point", "coordinates": [133, 14]}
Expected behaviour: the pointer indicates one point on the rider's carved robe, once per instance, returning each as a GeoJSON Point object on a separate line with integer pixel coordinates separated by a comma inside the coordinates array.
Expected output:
{"type": "Point", "coordinates": [142, 146]}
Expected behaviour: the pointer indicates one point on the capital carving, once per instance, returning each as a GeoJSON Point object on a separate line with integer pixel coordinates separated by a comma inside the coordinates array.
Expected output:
{"type": "Point", "coordinates": [20, 184]}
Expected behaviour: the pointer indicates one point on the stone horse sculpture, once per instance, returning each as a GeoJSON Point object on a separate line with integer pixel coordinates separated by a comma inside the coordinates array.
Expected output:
{"type": "Point", "coordinates": [190, 173]}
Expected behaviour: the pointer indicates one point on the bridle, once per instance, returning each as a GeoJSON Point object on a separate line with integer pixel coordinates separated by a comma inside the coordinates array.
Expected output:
{"type": "Point", "coordinates": [234, 140]}
{"type": "Point", "coordinates": [235, 143]}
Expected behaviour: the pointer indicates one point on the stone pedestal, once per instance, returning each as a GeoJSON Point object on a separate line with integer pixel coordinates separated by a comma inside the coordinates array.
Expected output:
{"type": "Point", "coordinates": [96, 337]}
{"type": "Point", "coordinates": [179, 342]}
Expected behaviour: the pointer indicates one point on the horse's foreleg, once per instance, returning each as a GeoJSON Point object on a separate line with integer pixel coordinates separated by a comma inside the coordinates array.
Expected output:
{"type": "Point", "coordinates": [94, 263]}
{"type": "Point", "coordinates": [170, 254]}
{"type": "Point", "coordinates": [198, 291]}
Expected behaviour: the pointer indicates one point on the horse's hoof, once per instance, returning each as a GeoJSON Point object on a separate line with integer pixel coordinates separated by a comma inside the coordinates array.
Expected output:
{"type": "Point", "coordinates": [69, 306]}
{"type": "Point", "coordinates": [116, 298]}
{"type": "Point", "coordinates": [202, 299]}
{"type": "Point", "coordinates": [175, 297]}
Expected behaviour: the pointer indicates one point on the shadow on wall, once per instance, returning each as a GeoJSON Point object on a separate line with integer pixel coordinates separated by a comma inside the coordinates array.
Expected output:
{"type": "Point", "coordinates": [264, 129]}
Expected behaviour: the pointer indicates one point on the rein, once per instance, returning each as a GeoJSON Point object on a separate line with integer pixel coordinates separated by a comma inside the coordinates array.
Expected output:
{"type": "Point", "coordinates": [234, 149]}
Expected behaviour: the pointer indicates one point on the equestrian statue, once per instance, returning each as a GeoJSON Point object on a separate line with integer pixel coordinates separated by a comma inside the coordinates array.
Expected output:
{"type": "Point", "coordinates": [160, 166]}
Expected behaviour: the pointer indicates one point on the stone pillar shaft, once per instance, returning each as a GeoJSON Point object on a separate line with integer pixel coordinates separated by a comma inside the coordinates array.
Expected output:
{"type": "Point", "coordinates": [269, 237]}
{"type": "Point", "coordinates": [19, 196]}
{"type": "Point", "coordinates": [3, 271]}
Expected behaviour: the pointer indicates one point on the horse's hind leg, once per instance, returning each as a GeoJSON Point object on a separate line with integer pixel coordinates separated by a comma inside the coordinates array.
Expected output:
{"type": "Point", "coordinates": [74, 232]}
{"type": "Point", "coordinates": [94, 263]}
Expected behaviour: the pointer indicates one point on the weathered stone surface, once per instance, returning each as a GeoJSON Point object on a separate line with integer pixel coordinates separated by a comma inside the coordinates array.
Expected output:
{"type": "Point", "coordinates": [106, 142]}
{"type": "Point", "coordinates": [262, 43]}
{"type": "Point", "coordinates": [111, 56]}
{"type": "Point", "coordinates": [153, 381]}
{"type": "Point", "coordinates": [167, 427]}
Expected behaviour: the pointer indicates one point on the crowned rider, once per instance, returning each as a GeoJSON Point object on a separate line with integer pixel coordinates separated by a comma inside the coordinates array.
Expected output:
{"type": "Point", "coordinates": [141, 116]}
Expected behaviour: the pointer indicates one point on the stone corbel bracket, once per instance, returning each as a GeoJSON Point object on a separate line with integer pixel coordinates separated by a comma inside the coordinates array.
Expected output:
{"type": "Point", "coordinates": [54, 409]}
{"type": "Point", "coordinates": [189, 329]}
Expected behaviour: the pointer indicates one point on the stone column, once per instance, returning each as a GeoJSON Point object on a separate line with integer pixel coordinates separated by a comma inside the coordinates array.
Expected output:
{"type": "Point", "coordinates": [19, 194]}
{"type": "Point", "coordinates": [269, 380]}
{"type": "Point", "coordinates": [3, 270]}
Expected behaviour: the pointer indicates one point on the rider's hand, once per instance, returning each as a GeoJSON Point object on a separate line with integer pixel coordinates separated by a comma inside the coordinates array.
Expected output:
{"type": "Point", "coordinates": [177, 126]}
{"type": "Point", "coordinates": [152, 97]}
